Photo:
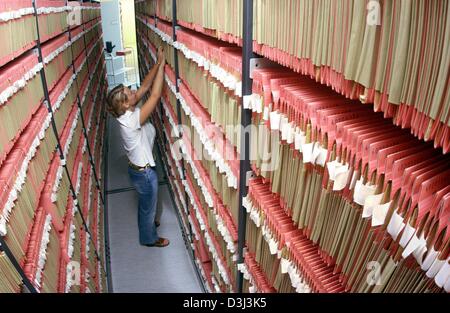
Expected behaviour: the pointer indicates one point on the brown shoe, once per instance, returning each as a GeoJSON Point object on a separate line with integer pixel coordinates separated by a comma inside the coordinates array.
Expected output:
{"type": "Point", "coordinates": [160, 243]}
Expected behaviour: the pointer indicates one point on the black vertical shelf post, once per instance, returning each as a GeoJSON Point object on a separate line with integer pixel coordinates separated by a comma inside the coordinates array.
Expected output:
{"type": "Point", "coordinates": [246, 118]}
{"type": "Point", "coordinates": [4, 247]}
{"type": "Point", "coordinates": [102, 193]}
{"type": "Point", "coordinates": [83, 122]}
{"type": "Point", "coordinates": [177, 87]}
{"type": "Point", "coordinates": [48, 104]}
{"type": "Point", "coordinates": [85, 134]}
{"type": "Point", "coordinates": [180, 131]}
{"type": "Point", "coordinates": [91, 159]}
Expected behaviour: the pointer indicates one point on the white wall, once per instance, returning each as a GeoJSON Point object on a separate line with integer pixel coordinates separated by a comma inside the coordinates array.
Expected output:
{"type": "Point", "coordinates": [112, 32]}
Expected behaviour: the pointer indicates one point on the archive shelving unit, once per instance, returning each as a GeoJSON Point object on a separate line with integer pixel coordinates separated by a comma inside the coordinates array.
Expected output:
{"type": "Point", "coordinates": [362, 185]}
{"type": "Point", "coordinates": [51, 153]}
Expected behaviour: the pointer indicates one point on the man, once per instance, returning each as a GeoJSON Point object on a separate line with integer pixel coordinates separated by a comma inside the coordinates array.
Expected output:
{"type": "Point", "coordinates": [138, 136]}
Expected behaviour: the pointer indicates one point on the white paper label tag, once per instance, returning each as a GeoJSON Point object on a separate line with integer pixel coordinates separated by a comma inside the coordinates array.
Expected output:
{"type": "Point", "coordinates": [307, 150]}
{"type": "Point", "coordinates": [370, 203]}
{"type": "Point", "coordinates": [413, 244]}
{"type": "Point", "coordinates": [293, 282]}
{"type": "Point", "coordinates": [279, 253]}
{"type": "Point", "coordinates": [300, 139]}
{"type": "Point", "coordinates": [354, 179]}
{"type": "Point", "coordinates": [362, 192]}
{"type": "Point", "coordinates": [275, 119]}
{"type": "Point", "coordinates": [332, 167]}
{"type": "Point", "coordinates": [420, 252]}
{"type": "Point", "coordinates": [294, 279]}
{"type": "Point", "coordinates": [207, 65]}
{"type": "Point", "coordinates": [258, 105]}
{"type": "Point", "coordinates": [258, 220]}
{"type": "Point", "coordinates": [447, 285]}
{"type": "Point", "coordinates": [247, 102]}
{"type": "Point", "coordinates": [283, 127]}
{"type": "Point", "coordinates": [341, 178]}
{"type": "Point", "coordinates": [246, 204]}
{"type": "Point", "coordinates": [339, 174]}
{"type": "Point", "coordinates": [429, 259]}
{"type": "Point", "coordinates": [273, 246]}
{"type": "Point", "coordinates": [408, 232]}
{"type": "Point", "coordinates": [291, 270]}
{"type": "Point", "coordinates": [300, 288]}
{"type": "Point", "coordinates": [379, 214]}
{"type": "Point", "coordinates": [252, 103]}
{"type": "Point", "coordinates": [435, 268]}
{"type": "Point", "coordinates": [322, 154]}
{"type": "Point", "coordinates": [316, 153]}
{"type": "Point", "coordinates": [284, 266]}
{"type": "Point", "coordinates": [421, 249]}
{"type": "Point", "coordinates": [291, 134]}
{"type": "Point", "coordinates": [395, 225]}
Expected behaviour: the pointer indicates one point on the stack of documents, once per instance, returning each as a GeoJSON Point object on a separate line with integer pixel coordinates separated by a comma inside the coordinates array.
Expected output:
{"type": "Point", "coordinates": [52, 17]}
{"type": "Point", "coordinates": [221, 60]}
{"type": "Point", "coordinates": [347, 177]}
{"type": "Point", "coordinates": [64, 97]}
{"type": "Point", "coordinates": [217, 18]}
{"type": "Point", "coordinates": [57, 58]}
{"type": "Point", "coordinates": [21, 175]}
{"type": "Point", "coordinates": [76, 35]}
{"type": "Point", "coordinates": [200, 250]}
{"type": "Point", "coordinates": [81, 70]}
{"type": "Point", "coordinates": [216, 100]}
{"type": "Point", "coordinates": [93, 31]}
{"type": "Point", "coordinates": [255, 280]}
{"type": "Point", "coordinates": [219, 233]}
{"type": "Point", "coordinates": [373, 52]}
{"type": "Point", "coordinates": [281, 249]}
{"type": "Point", "coordinates": [11, 280]}
{"type": "Point", "coordinates": [17, 29]}
{"type": "Point", "coordinates": [91, 11]}
{"type": "Point", "coordinates": [386, 55]}
{"type": "Point", "coordinates": [145, 7]}
{"type": "Point", "coordinates": [43, 254]}
{"type": "Point", "coordinates": [343, 194]}
{"type": "Point", "coordinates": [150, 37]}
{"type": "Point", "coordinates": [57, 185]}
{"type": "Point", "coordinates": [19, 83]}
{"type": "Point", "coordinates": [69, 237]}
{"type": "Point", "coordinates": [38, 220]}
{"type": "Point", "coordinates": [164, 9]}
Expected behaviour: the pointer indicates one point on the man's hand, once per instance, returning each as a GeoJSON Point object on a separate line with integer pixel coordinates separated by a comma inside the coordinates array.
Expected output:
{"type": "Point", "coordinates": [161, 57]}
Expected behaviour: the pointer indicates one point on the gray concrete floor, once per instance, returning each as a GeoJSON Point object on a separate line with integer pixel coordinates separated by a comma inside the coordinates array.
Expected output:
{"type": "Point", "coordinates": [135, 268]}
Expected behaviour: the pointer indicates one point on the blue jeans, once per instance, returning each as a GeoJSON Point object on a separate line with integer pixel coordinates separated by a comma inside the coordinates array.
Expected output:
{"type": "Point", "coordinates": [146, 184]}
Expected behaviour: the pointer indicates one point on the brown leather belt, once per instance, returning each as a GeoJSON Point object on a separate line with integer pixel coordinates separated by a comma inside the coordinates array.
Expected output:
{"type": "Point", "coordinates": [139, 168]}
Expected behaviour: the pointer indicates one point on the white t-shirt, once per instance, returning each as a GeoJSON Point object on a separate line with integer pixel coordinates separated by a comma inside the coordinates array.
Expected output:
{"type": "Point", "coordinates": [137, 140]}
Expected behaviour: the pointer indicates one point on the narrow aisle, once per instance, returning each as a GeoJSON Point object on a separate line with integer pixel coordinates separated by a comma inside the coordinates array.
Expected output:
{"type": "Point", "coordinates": [135, 268]}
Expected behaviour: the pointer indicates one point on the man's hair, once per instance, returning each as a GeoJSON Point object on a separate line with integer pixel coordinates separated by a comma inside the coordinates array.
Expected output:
{"type": "Point", "coordinates": [115, 99]}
